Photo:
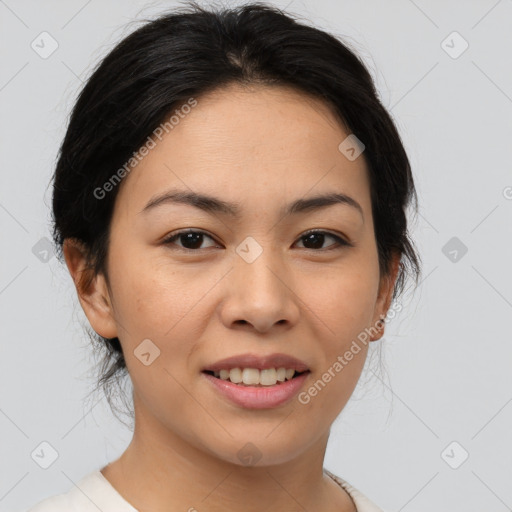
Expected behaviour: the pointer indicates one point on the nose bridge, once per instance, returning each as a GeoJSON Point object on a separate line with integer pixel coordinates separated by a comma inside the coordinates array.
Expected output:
{"type": "Point", "coordinates": [259, 291]}
{"type": "Point", "coordinates": [258, 267]}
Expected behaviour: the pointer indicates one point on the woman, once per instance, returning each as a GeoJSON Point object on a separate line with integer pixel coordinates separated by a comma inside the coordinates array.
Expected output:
{"type": "Point", "coordinates": [230, 202]}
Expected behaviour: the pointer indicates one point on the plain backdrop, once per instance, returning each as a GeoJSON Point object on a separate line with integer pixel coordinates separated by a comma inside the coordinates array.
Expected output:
{"type": "Point", "coordinates": [433, 431]}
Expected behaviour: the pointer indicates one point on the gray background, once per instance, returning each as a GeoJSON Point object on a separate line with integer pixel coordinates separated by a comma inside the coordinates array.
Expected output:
{"type": "Point", "coordinates": [447, 356]}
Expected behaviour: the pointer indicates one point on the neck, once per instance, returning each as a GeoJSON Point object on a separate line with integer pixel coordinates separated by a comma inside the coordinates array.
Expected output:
{"type": "Point", "coordinates": [162, 471]}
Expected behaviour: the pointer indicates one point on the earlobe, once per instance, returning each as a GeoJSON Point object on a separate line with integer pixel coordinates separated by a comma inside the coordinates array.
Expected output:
{"type": "Point", "coordinates": [92, 289]}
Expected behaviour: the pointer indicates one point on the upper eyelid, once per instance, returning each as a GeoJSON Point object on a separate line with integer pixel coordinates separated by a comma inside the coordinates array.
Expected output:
{"type": "Point", "coordinates": [343, 238]}
{"type": "Point", "coordinates": [188, 230]}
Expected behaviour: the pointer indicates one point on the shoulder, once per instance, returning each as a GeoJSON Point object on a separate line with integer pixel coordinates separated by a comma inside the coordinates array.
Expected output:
{"type": "Point", "coordinates": [91, 494]}
{"type": "Point", "coordinates": [363, 504]}
{"type": "Point", "coordinates": [80, 498]}
{"type": "Point", "coordinates": [58, 503]}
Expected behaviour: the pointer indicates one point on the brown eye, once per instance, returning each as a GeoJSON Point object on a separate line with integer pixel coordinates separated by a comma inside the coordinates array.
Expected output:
{"type": "Point", "coordinates": [190, 240]}
{"type": "Point", "coordinates": [316, 239]}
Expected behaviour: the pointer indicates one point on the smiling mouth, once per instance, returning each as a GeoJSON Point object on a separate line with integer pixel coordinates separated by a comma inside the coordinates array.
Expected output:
{"type": "Point", "coordinates": [256, 378]}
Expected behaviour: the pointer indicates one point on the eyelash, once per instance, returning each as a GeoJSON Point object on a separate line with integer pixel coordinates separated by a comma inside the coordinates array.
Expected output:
{"type": "Point", "coordinates": [340, 242]}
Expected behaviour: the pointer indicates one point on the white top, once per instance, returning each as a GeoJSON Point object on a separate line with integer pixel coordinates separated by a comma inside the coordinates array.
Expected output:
{"type": "Point", "coordinates": [94, 492]}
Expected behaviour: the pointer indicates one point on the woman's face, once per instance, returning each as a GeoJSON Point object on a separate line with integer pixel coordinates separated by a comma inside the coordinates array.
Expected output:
{"type": "Point", "coordinates": [251, 283]}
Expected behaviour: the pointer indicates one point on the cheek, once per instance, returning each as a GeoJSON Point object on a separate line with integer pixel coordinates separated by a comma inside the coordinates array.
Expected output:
{"type": "Point", "coordinates": [153, 298]}
{"type": "Point", "coordinates": [343, 308]}
{"type": "Point", "coordinates": [159, 308]}
{"type": "Point", "coordinates": [343, 301]}
{"type": "Point", "coordinates": [160, 304]}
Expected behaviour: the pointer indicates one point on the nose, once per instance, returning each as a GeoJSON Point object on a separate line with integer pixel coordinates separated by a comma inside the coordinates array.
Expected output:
{"type": "Point", "coordinates": [260, 295]}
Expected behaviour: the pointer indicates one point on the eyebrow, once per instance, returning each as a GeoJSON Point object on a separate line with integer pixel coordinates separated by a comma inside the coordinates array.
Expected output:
{"type": "Point", "coordinates": [214, 205]}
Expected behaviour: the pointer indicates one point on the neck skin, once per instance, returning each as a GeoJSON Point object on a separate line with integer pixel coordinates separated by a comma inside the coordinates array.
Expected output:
{"type": "Point", "coordinates": [160, 471]}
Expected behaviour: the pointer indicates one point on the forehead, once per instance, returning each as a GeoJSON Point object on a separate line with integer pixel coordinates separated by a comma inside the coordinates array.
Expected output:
{"type": "Point", "coordinates": [255, 142]}
{"type": "Point", "coordinates": [271, 121]}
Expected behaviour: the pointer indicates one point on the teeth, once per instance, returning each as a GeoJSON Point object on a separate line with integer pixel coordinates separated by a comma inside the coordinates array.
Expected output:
{"type": "Point", "coordinates": [255, 377]}
{"type": "Point", "coordinates": [250, 376]}
{"type": "Point", "coordinates": [268, 377]}
{"type": "Point", "coordinates": [235, 375]}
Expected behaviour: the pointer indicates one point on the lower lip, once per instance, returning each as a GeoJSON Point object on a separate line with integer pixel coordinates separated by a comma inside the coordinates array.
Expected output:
{"type": "Point", "coordinates": [253, 397]}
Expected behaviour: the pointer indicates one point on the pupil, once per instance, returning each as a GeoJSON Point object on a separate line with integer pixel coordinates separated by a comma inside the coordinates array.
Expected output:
{"type": "Point", "coordinates": [192, 239]}
{"type": "Point", "coordinates": [312, 236]}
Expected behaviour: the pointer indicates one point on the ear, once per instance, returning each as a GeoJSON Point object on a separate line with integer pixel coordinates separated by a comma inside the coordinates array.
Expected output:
{"type": "Point", "coordinates": [384, 298]}
{"type": "Point", "coordinates": [92, 289]}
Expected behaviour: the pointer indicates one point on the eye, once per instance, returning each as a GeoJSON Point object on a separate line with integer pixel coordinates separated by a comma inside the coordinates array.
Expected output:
{"type": "Point", "coordinates": [190, 239]}
{"type": "Point", "coordinates": [316, 238]}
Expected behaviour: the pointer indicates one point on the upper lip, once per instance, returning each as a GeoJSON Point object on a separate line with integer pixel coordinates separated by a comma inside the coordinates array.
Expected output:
{"type": "Point", "coordinates": [259, 362]}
